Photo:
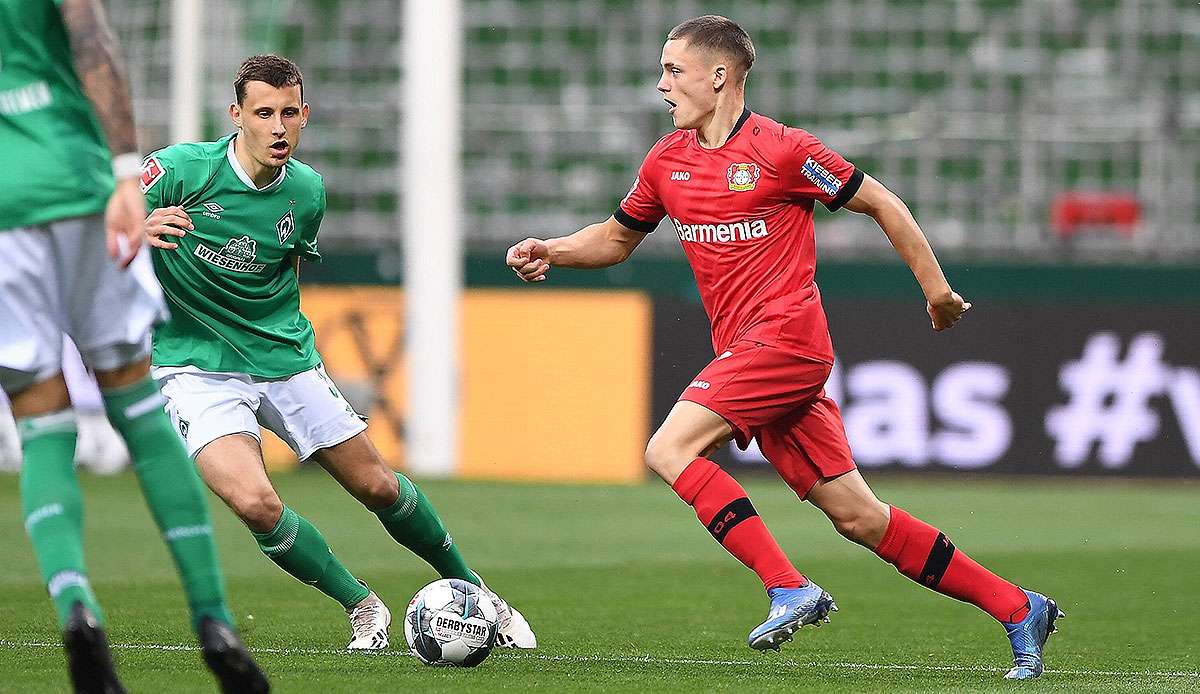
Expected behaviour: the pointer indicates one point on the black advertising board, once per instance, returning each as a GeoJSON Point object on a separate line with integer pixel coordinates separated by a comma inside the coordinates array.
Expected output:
{"type": "Point", "coordinates": [1103, 389]}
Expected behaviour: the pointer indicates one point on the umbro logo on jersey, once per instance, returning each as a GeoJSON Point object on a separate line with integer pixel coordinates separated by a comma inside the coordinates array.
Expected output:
{"type": "Point", "coordinates": [743, 177]}
{"type": "Point", "coordinates": [726, 354]}
{"type": "Point", "coordinates": [681, 175]}
{"type": "Point", "coordinates": [212, 209]}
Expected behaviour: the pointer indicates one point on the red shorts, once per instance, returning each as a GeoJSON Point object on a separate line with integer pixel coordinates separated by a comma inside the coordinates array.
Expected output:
{"type": "Point", "coordinates": [777, 398]}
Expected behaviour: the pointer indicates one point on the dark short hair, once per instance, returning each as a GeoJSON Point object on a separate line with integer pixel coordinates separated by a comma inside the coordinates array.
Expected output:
{"type": "Point", "coordinates": [272, 69]}
{"type": "Point", "coordinates": [719, 35]}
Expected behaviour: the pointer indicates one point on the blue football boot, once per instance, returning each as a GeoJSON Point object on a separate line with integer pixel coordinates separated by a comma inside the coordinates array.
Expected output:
{"type": "Point", "coordinates": [791, 608]}
{"type": "Point", "coordinates": [1028, 636]}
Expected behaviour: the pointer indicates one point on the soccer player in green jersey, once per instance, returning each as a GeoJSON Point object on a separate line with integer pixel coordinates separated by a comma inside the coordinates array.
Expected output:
{"type": "Point", "coordinates": [70, 223]}
{"type": "Point", "coordinates": [231, 221]}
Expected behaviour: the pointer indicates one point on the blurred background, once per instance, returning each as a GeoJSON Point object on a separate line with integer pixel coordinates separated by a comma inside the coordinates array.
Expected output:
{"type": "Point", "coordinates": [1049, 148]}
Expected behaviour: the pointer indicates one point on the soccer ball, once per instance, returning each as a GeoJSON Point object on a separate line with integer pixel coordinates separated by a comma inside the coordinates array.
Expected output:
{"type": "Point", "coordinates": [451, 622]}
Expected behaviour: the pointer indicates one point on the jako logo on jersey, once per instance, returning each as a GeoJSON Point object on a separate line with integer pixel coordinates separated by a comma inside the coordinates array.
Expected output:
{"type": "Point", "coordinates": [681, 175]}
{"type": "Point", "coordinates": [746, 230]}
{"type": "Point", "coordinates": [152, 171]}
{"type": "Point", "coordinates": [237, 255]}
{"type": "Point", "coordinates": [821, 177]}
{"type": "Point", "coordinates": [742, 177]}
{"type": "Point", "coordinates": [212, 209]}
{"type": "Point", "coordinates": [702, 385]}
{"type": "Point", "coordinates": [285, 226]}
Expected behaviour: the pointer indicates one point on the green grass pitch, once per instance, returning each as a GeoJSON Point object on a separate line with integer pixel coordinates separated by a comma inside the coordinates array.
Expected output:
{"type": "Point", "coordinates": [628, 593]}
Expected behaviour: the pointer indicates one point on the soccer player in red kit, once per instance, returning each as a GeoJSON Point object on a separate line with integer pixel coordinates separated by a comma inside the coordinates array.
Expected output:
{"type": "Point", "coordinates": [740, 188]}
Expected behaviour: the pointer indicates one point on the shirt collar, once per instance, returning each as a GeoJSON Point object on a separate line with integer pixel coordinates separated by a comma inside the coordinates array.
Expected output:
{"type": "Point", "coordinates": [245, 177]}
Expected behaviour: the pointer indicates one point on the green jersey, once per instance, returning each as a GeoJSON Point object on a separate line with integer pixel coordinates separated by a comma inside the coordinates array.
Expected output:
{"type": "Point", "coordinates": [234, 299]}
{"type": "Point", "coordinates": [56, 160]}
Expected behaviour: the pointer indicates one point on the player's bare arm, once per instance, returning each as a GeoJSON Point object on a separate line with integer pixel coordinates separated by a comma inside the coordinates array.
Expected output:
{"type": "Point", "coordinates": [168, 222]}
{"type": "Point", "coordinates": [944, 305]}
{"type": "Point", "coordinates": [98, 65]}
{"type": "Point", "coordinates": [595, 246]}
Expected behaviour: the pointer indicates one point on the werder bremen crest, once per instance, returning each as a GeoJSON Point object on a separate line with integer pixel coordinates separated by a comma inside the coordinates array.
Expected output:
{"type": "Point", "coordinates": [285, 226]}
{"type": "Point", "coordinates": [237, 255]}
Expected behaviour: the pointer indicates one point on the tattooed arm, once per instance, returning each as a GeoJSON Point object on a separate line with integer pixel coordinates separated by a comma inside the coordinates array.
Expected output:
{"type": "Point", "coordinates": [101, 71]}
{"type": "Point", "coordinates": [102, 74]}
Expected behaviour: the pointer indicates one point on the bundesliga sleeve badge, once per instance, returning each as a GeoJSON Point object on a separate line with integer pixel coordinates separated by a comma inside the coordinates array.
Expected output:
{"type": "Point", "coordinates": [742, 177]}
{"type": "Point", "coordinates": [152, 171]}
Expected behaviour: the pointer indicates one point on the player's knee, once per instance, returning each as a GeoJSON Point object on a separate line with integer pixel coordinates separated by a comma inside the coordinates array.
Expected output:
{"type": "Point", "coordinates": [862, 525]}
{"type": "Point", "coordinates": [379, 491]}
{"type": "Point", "coordinates": [260, 510]}
{"type": "Point", "coordinates": [665, 460]}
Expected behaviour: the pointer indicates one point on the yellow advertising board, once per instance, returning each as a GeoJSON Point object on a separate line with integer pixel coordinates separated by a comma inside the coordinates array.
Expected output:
{"type": "Point", "coordinates": [555, 385]}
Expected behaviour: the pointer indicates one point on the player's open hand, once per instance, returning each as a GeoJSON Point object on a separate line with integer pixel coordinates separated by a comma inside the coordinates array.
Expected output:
{"type": "Point", "coordinates": [945, 312]}
{"type": "Point", "coordinates": [123, 222]}
{"type": "Point", "coordinates": [167, 221]}
{"type": "Point", "coordinates": [530, 259]}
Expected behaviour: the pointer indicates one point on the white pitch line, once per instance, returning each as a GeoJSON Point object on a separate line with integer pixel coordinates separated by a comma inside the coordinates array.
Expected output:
{"type": "Point", "coordinates": [650, 660]}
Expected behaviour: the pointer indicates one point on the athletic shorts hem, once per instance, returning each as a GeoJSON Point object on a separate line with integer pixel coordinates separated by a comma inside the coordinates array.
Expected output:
{"type": "Point", "coordinates": [341, 437]}
{"type": "Point", "coordinates": [741, 432]}
{"type": "Point", "coordinates": [255, 434]}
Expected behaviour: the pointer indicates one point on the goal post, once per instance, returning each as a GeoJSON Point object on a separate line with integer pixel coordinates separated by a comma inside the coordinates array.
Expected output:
{"type": "Point", "coordinates": [430, 195]}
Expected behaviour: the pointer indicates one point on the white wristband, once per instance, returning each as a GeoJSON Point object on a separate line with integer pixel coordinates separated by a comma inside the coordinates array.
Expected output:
{"type": "Point", "coordinates": [127, 165]}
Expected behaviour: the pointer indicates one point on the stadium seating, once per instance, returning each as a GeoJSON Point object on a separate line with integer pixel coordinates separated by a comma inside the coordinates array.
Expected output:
{"type": "Point", "coordinates": [978, 112]}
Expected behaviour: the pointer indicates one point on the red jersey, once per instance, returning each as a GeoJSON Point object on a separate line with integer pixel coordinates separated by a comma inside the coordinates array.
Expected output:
{"type": "Point", "coordinates": [744, 215]}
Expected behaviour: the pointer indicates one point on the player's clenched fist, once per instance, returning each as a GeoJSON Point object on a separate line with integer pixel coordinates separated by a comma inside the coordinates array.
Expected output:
{"type": "Point", "coordinates": [167, 221]}
{"type": "Point", "coordinates": [946, 311]}
{"type": "Point", "coordinates": [530, 259]}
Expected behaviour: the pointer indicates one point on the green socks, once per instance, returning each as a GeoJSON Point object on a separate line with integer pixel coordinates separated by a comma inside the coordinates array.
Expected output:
{"type": "Point", "coordinates": [300, 549]}
{"type": "Point", "coordinates": [53, 508]}
{"type": "Point", "coordinates": [173, 492]}
{"type": "Point", "coordinates": [412, 522]}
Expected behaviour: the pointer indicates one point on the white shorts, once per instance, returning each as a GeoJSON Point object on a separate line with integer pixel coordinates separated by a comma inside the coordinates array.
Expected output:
{"type": "Point", "coordinates": [305, 410]}
{"type": "Point", "coordinates": [57, 278]}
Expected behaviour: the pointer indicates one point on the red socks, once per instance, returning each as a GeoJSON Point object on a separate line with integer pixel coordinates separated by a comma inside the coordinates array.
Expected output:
{"type": "Point", "coordinates": [721, 505]}
{"type": "Point", "coordinates": [921, 552]}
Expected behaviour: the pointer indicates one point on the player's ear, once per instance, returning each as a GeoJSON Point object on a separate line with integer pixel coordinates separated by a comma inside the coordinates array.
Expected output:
{"type": "Point", "coordinates": [235, 115]}
{"type": "Point", "coordinates": [304, 115]}
{"type": "Point", "coordinates": [720, 76]}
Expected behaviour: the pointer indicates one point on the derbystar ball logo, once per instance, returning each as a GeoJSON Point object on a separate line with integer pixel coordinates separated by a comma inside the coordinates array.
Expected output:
{"type": "Point", "coordinates": [743, 177]}
{"type": "Point", "coordinates": [724, 232]}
